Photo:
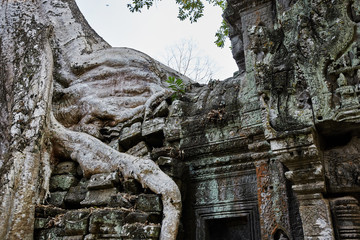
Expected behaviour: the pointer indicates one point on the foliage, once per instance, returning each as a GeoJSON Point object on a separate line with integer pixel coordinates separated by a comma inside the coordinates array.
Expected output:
{"type": "Point", "coordinates": [221, 34]}
{"type": "Point", "coordinates": [189, 9]}
{"type": "Point", "coordinates": [177, 85]}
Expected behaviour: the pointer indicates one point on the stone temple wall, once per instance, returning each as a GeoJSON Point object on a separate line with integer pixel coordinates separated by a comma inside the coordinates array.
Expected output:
{"type": "Point", "coordinates": [270, 153]}
{"type": "Point", "coordinates": [108, 206]}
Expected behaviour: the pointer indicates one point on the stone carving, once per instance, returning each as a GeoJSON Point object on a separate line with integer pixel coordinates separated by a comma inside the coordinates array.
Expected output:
{"type": "Point", "coordinates": [269, 153]}
{"type": "Point", "coordinates": [346, 214]}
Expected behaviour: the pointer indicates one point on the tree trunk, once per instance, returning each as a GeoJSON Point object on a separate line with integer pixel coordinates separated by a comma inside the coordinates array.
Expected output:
{"type": "Point", "coordinates": [60, 84]}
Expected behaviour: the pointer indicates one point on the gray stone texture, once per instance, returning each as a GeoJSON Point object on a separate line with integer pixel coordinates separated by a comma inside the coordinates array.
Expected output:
{"type": "Point", "coordinates": [103, 181]}
{"type": "Point", "coordinates": [100, 197]}
{"type": "Point", "coordinates": [76, 194]}
{"type": "Point", "coordinates": [57, 199]}
{"type": "Point", "coordinates": [65, 168]}
{"type": "Point", "coordinates": [149, 203]}
{"type": "Point", "coordinates": [140, 231]}
{"type": "Point", "coordinates": [132, 186]}
{"type": "Point", "coordinates": [139, 150]}
{"type": "Point", "coordinates": [152, 126]}
{"type": "Point", "coordinates": [130, 135]}
{"type": "Point", "coordinates": [107, 221]}
{"type": "Point", "coordinates": [120, 200]}
{"type": "Point", "coordinates": [62, 182]}
{"type": "Point", "coordinates": [76, 222]}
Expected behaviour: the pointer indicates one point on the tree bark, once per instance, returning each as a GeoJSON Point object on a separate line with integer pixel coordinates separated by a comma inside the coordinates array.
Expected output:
{"type": "Point", "coordinates": [60, 84]}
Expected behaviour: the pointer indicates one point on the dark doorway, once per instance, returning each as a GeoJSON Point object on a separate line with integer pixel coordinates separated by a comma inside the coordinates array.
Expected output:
{"type": "Point", "coordinates": [235, 228]}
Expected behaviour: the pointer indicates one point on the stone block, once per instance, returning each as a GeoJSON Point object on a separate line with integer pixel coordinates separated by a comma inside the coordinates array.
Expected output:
{"type": "Point", "coordinates": [106, 221]}
{"type": "Point", "coordinates": [152, 126]}
{"type": "Point", "coordinates": [139, 150]}
{"type": "Point", "coordinates": [162, 110]}
{"type": "Point", "coordinates": [40, 223]}
{"type": "Point", "coordinates": [136, 217]}
{"type": "Point", "coordinates": [140, 231]}
{"type": "Point", "coordinates": [44, 211]}
{"type": "Point", "coordinates": [79, 237]}
{"type": "Point", "coordinates": [119, 200]}
{"type": "Point", "coordinates": [162, 151]}
{"type": "Point", "coordinates": [103, 181]}
{"type": "Point", "coordinates": [76, 222]}
{"type": "Point", "coordinates": [132, 186]}
{"type": "Point", "coordinates": [172, 129]}
{"type": "Point", "coordinates": [57, 199]}
{"type": "Point", "coordinates": [76, 194]}
{"type": "Point", "coordinates": [103, 237]}
{"type": "Point", "coordinates": [100, 197]}
{"type": "Point", "coordinates": [170, 166]}
{"type": "Point", "coordinates": [62, 182]}
{"type": "Point", "coordinates": [65, 168]}
{"type": "Point", "coordinates": [51, 233]}
{"type": "Point", "coordinates": [130, 135]}
{"type": "Point", "coordinates": [149, 203]}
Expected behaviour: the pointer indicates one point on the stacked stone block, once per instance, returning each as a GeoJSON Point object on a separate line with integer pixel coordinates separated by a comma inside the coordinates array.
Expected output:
{"type": "Point", "coordinates": [106, 206]}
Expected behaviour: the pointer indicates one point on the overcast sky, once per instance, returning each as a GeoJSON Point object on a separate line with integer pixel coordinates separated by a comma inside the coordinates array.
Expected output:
{"type": "Point", "coordinates": [153, 31]}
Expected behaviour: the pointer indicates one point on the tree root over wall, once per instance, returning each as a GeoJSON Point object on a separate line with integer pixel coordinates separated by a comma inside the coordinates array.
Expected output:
{"type": "Point", "coordinates": [95, 156]}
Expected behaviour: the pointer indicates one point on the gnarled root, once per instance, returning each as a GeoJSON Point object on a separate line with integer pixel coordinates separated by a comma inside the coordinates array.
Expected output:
{"type": "Point", "coordinates": [94, 157]}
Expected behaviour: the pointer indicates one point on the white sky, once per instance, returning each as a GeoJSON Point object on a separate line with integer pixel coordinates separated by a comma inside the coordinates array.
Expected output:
{"type": "Point", "coordinates": [154, 30]}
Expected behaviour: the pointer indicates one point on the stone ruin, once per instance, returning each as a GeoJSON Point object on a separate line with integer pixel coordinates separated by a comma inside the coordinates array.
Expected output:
{"type": "Point", "coordinates": [270, 153]}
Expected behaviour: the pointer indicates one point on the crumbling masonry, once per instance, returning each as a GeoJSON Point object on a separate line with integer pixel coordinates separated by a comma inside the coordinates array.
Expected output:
{"type": "Point", "coordinates": [270, 153]}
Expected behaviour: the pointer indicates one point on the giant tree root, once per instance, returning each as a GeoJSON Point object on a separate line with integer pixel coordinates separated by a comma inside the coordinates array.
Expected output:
{"type": "Point", "coordinates": [95, 156]}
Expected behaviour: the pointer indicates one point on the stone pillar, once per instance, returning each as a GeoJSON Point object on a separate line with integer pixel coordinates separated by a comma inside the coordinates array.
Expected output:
{"type": "Point", "coordinates": [267, 219]}
{"type": "Point", "coordinates": [307, 175]}
{"type": "Point", "coordinates": [315, 216]}
{"type": "Point", "coordinates": [272, 199]}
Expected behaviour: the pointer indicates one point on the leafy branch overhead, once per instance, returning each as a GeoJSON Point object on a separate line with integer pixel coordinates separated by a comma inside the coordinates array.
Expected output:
{"type": "Point", "coordinates": [177, 85]}
{"type": "Point", "coordinates": [189, 9]}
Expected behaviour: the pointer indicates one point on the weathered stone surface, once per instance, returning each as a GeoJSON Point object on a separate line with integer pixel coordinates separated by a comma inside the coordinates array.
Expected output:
{"type": "Point", "coordinates": [62, 182]}
{"type": "Point", "coordinates": [136, 217]}
{"type": "Point", "coordinates": [76, 194]}
{"type": "Point", "coordinates": [40, 223]}
{"type": "Point", "coordinates": [172, 129]}
{"type": "Point", "coordinates": [103, 237]}
{"type": "Point", "coordinates": [100, 197]}
{"type": "Point", "coordinates": [343, 167]}
{"type": "Point", "coordinates": [79, 237]}
{"type": "Point", "coordinates": [142, 217]}
{"type": "Point", "coordinates": [291, 111]}
{"type": "Point", "coordinates": [107, 221]}
{"type": "Point", "coordinates": [162, 110]}
{"type": "Point", "coordinates": [57, 199]}
{"type": "Point", "coordinates": [76, 222]}
{"type": "Point", "coordinates": [119, 200]}
{"type": "Point", "coordinates": [65, 168]}
{"type": "Point", "coordinates": [149, 203]}
{"type": "Point", "coordinates": [52, 233]}
{"type": "Point", "coordinates": [171, 166]}
{"type": "Point", "coordinates": [139, 150]}
{"type": "Point", "coordinates": [140, 231]}
{"type": "Point", "coordinates": [132, 186]}
{"type": "Point", "coordinates": [153, 126]}
{"type": "Point", "coordinates": [103, 181]}
{"type": "Point", "coordinates": [346, 217]}
{"type": "Point", "coordinates": [44, 211]}
{"type": "Point", "coordinates": [130, 135]}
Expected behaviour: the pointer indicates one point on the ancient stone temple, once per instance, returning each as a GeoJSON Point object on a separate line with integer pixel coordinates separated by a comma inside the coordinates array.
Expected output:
{"type": "Point", "coordinates": [271, 153]}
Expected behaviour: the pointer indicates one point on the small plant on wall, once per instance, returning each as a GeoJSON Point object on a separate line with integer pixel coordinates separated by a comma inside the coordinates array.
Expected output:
{"type": "Point", "coordinates": [177, 85]}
